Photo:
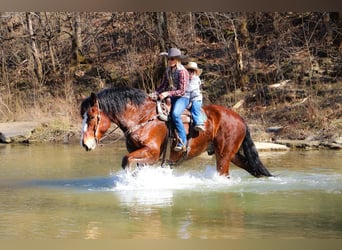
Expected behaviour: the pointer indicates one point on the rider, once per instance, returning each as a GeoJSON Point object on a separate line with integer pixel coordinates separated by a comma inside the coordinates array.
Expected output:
{"type": "Point", "coordinates": [196, 97]}
{"type": "Point", "coordinates": [174, 84]}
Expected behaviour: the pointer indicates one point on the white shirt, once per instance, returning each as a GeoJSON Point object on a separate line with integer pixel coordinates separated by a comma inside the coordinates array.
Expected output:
{"type": "Point", "coordinates": [194, 88]}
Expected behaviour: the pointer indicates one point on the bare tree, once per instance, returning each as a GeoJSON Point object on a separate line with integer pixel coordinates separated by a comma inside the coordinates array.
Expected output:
{"type": "Point", "coordinates": [38, 68]}
{"type": "Point", "coordinates": [163, 35]}
{"type": "Point", "coordinates": [77, 54]}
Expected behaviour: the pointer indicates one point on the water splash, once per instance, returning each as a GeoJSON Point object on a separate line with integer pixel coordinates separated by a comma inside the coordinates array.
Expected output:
{"type": "Point", "coordinates": [157, 186]}
{"type": "Point", "coordinates": [152, 178]}
{"type": "Point", "coordinates": [156, 178]}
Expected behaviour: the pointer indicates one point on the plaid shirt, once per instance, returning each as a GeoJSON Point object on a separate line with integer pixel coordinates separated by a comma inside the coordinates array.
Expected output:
{"type": "Point", "coordinates": [180, 78]}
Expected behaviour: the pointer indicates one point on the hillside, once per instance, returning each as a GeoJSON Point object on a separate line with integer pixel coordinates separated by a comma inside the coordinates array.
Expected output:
{"type": "Point", "coordinates": [281, 71]}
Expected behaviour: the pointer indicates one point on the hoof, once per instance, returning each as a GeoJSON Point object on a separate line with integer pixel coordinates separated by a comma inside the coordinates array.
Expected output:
{"type": "Point", "coordinates": [211, 148]}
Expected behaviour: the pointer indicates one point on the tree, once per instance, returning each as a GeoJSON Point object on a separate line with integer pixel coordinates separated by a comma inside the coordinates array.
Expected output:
{"type": "Point", "coordinates": [76, 39]}
{"type": "Point", "coordinates": [33, 49]}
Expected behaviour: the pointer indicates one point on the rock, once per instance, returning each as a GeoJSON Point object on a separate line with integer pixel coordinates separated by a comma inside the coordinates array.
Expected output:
{"type": "Point", "coordinates": [266, 146]}
{"type": "Point", "coordinates": [305, 144]}
{"type": "Point", "coordinates": [331, 145]}
{"type": "Point", "coordinates": [16, 131]}
{"type": "Point", "coordinates": [3, 138]}
{"type": "Point", "coordinates": [300, 144]}
{"type": "Point", "coordinates": [274, 130]}
{"type": "Point", "coordinates": [338, 140]}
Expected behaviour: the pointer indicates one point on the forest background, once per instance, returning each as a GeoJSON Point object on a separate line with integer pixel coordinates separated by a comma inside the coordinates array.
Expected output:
{"type": "Point", "coordinates": [281, 71]}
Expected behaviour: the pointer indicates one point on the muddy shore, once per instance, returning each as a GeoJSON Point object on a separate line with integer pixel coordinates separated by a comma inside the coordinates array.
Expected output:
{"type": "Point", "coordinates": [35, 132]}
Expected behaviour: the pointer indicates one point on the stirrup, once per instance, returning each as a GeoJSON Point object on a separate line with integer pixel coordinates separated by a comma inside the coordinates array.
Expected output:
{"type": "Point", "coordinates": [162, 111]}
{"type": "Point", "coordinates": [180, 148]}
{"type": "Point", "coordinates": [199, 128]}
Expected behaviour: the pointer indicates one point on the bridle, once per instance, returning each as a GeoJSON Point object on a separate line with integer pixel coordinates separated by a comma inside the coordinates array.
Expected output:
{"type": "Point", "coordinates": [98, 119]}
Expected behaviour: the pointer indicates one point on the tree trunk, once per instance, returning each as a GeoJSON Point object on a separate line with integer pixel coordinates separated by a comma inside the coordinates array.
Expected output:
{"type": "Point", "coordinates": [38, 69]}
{"type": "Point", "coordinates": [77, 55]}
{"type": "Point", "coordinates": [48, 33]}
{"type": "Point", "coordinates": [239, 61]}
{"type": "Point", "coordinates": [172, 30]}
{"type": "Point", "coordinates": [162, 30]}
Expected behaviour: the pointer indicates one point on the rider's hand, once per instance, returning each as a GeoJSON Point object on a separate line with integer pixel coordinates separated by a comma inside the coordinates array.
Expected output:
{"type": "Point", "coordinates": [163, 95]}
{"type": "Point", "coordinates": [154, 96]}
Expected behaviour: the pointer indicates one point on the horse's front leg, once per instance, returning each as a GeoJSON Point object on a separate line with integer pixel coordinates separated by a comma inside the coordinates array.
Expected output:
{"type": "Point", "coordinates": [140, 156]}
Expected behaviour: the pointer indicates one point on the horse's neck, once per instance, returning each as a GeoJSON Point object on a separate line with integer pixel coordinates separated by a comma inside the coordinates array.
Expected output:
{"type": "Point", "coordinates": [134, 115]}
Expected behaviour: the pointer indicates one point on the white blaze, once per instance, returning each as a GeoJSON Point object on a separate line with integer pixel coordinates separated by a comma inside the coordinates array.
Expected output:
{"type": "Point", "coordinates": [84, 126]}
{"type": "Point", "coordinates": [90, 142]}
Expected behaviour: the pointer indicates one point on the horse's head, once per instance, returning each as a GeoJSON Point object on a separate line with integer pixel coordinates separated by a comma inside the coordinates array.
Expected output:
{"type": "Point", "coordinates": [95, 122]}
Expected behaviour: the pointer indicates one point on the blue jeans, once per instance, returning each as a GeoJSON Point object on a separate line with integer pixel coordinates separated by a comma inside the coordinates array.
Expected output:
{"type": "Point", "coordinates": [196, 112]}
{"type": "Point", "coordinates": [179, 104]}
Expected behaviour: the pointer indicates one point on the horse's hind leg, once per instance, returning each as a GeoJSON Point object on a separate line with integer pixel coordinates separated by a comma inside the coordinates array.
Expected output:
{"type": "Point", "coordinates": [240, 161]}
{"type": "Point", "coordinates": [223, 158]}
{"type": "Point", "coordinates": [226, 146]}
{"type": "Point", "coordinates": [222, 164]}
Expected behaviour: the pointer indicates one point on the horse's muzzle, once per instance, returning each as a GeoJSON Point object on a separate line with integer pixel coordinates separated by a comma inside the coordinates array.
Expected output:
{"type": "Point", "coordinates": [90, 145]}
{"type": "Point", "coordinates": [86, 147]}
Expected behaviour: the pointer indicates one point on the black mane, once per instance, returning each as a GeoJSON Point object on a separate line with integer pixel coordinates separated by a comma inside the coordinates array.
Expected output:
{"type": "Point", "coordinates": [115, 99]}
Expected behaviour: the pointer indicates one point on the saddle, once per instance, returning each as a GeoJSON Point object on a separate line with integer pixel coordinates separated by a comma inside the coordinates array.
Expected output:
{"type": "Point", "coordinates": [163, 112]}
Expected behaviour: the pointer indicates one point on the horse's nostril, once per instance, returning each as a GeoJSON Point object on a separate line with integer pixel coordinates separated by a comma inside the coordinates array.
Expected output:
{"type": "Point", "coordinates": [85, 147]}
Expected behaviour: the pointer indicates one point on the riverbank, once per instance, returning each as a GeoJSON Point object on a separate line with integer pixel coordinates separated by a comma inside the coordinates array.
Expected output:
{"type": "Point", "coordinates": [35, 132]}
{"type": "Point", "coordinates": [17, 131]}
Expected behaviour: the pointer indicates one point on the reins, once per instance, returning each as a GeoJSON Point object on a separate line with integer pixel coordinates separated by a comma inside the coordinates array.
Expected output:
{"type": "Point", "coordinates": [97, 125]}
{"type": "Point", "coordinates": [98, 120]}
{"type": "Point", "coordinates": [138, 126]}
{"type": "Point", "coordinates": [160, 108]}
{"type": "Point", "coordinates": [111, 132]}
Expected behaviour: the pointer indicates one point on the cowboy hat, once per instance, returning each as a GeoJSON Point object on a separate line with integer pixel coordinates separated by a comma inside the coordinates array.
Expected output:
{"type": "Point", "coordinates": [193, 65]}
{"type": "Point", "coordinates": [173, 52]}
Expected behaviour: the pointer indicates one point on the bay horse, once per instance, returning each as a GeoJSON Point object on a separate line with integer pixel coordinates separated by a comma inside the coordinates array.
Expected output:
{"type": "Point", "coordinates": [135, 113]}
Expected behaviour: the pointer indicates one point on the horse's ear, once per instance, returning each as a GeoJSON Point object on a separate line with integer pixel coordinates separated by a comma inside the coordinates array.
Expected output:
{"type": "Point", "coordinates": [93, 98]}
{"type": "Point", "coordinates": [80, 98]}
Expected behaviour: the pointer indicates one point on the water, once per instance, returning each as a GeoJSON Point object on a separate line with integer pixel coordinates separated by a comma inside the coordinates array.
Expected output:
{"type": "Point", "coordinates": [64, 192]}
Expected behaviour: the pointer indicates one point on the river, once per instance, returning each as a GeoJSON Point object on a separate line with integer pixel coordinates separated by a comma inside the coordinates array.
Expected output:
{"type": "Point", "coordinates": [64, 192]}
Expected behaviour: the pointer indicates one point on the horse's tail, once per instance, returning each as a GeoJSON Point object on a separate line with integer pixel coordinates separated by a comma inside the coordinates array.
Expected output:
{"type": "Point", "coordinates": [257, 169]}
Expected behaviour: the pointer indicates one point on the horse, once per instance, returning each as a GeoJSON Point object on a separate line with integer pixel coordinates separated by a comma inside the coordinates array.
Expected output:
{"type": "Point", "coordinates": [146, 135]}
